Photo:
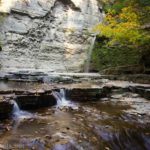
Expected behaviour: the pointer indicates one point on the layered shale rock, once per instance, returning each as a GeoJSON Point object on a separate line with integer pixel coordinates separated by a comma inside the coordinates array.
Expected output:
{"type": "Point", "coordinates": [47, 35]}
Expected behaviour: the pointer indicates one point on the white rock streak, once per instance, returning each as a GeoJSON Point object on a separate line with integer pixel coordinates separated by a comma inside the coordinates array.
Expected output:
{"type": "Point", "coordinates": [6, 5]}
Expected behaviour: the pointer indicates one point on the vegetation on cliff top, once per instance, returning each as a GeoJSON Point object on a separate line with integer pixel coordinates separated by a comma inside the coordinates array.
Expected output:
{"type": "Point", "coordinates": [123, 36]}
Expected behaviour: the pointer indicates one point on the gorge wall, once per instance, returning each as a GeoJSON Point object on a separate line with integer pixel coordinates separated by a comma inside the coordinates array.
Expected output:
{"type": "Point", "coordinates": [47, 35]}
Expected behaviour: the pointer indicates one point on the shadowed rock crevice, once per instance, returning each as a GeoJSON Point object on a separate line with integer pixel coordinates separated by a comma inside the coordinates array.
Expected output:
{"type": "Point", "coordinates": [70, 4]}
{"type": "Point", "coordinates": [29, 102]}
{"type": "Point", "coordinates": [5, 109]}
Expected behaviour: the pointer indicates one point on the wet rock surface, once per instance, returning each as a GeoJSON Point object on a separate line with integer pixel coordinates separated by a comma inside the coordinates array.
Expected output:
{"type": "Point", "coordinates": [118, 120]}
{"type": "Point", "coordinates": [41, 77]}
{"type": "Point", "coordinates": [138, 78]}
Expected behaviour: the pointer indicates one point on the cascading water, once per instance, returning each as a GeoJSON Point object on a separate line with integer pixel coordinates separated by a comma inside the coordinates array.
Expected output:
{"type": "Point", "coordinates": [19, 114]}
{"type": "Point", "coordinates": [61, 98]}
{"type": "Point", "coordinates": [87, 65]}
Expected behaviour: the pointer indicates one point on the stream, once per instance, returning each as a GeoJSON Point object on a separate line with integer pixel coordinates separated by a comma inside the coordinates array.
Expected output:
{"type": "Point", "coordinates": [118, 122]}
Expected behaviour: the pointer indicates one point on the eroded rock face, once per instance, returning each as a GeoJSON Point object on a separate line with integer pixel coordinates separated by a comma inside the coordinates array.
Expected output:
{"type": "Point", "coordinates": [47, 35]}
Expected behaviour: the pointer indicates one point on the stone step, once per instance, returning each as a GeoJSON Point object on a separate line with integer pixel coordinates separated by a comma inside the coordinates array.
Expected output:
{"type": "Point", "coordinates": [27, 76]}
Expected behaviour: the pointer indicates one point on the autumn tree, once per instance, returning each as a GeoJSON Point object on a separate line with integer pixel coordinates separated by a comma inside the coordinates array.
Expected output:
{"type": "Point", "coordinates": [124, 36]}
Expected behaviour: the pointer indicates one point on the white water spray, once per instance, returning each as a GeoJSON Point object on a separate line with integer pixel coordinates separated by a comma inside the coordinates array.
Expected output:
{"type": "Point", "coordinates": [61, 98]}
{"type": "Point", "coordinates": [18, 114]}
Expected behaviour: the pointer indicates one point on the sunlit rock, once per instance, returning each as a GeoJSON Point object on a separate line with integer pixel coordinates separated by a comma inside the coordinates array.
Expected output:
{"type": "Point", "coordinates": [47, 35]}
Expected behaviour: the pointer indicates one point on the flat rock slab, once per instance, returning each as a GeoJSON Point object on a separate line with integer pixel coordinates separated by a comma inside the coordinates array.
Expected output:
{"type": "Point", "coordinates": [139, 78]}
{"type": "Point", "coordinates": [92, 75]}
{"type": "Point", "coordinates": [26, 76]}
{"type": "Point", "coordinates": [141, 89]}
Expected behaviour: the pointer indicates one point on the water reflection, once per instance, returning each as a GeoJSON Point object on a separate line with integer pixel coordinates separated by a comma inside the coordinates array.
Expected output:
{"type": "Point", "coordinates": [128, 139]}
{"type": "Point", "coordinates": [93, 126]}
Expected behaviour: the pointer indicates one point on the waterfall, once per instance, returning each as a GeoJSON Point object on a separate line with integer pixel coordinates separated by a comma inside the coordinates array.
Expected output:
{"type": "Point", "coordinates": [61, 98]}
{"type": "Point", "coordinates": [87, 65]}
{"type": "Point", "coordinates": [19, 114]}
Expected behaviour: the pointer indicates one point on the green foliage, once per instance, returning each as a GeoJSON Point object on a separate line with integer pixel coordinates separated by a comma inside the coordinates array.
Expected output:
{"type": "Point", "coordinates": [106, 57]}
{"type": "Point", "coordinates": [126, 41]}
{"type": "Point", "coordinates": [123, 28]}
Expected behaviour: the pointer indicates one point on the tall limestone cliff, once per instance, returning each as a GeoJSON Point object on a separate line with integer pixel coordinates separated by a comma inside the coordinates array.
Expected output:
{"type": "Point", "coordinates": [46, 35]}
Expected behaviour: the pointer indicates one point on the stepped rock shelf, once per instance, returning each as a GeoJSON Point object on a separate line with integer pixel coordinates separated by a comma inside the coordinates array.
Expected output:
{"type": "Point", "coordinates": [34, 95]}
{"type": "Point", "coordinates": [72, 111]}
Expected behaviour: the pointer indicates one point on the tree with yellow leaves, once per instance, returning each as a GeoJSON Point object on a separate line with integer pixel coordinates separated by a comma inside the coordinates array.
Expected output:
{"type": "Point", "coordinates": [125, 40]}
{"type": "Point", "coordinates": [123, 28]}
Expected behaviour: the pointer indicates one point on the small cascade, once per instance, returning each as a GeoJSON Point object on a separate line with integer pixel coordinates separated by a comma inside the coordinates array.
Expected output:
{"type": "Point", "coordinates": [61, 98]}
{"type": "Point", "coordinates": [87, 65]}
{"type": "Point", "coordinates": [19, 114]}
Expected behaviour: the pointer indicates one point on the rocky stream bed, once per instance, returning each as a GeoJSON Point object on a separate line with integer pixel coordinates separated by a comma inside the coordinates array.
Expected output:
{"type": "Point", "coordinates": [84, 114]}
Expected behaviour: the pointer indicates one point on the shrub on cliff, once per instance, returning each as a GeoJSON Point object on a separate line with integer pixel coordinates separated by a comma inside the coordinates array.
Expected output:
{"type": "Point", "coordinates": [126, 42]}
